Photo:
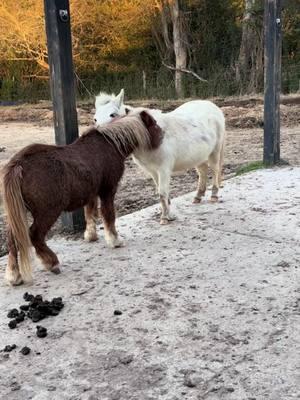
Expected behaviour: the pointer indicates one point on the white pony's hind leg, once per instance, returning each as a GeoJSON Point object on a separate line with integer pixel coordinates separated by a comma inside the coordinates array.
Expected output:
{"type": "Point", "coordinates": [214, 163]}
{"type": "Point", "coordinates": [202, 181]}
{"type": "Point", "coordinates": [163, 190]}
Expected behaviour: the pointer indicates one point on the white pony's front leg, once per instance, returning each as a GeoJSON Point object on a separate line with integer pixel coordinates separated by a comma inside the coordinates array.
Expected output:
{"type": "Point", "coordinates": [163, 190]}
{"type": "Point", "coordinates": [155, 178]}
{"type": "Point", "coordinates": [149, 171]}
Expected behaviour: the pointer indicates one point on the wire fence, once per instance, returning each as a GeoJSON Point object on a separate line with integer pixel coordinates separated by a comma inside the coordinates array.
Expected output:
{"type": "Point", "coordinates": [146, 84]}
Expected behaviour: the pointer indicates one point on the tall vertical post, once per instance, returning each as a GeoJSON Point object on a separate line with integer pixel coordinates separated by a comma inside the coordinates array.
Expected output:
{"type": "Point", "coordinates": [58, 29]}
{"type": "Point", "coordinates": [272, 34]}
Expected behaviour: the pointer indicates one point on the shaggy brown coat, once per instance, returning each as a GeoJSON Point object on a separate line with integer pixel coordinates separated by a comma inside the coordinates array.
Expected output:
{"type": "Point", "coordinates": [48, 179]}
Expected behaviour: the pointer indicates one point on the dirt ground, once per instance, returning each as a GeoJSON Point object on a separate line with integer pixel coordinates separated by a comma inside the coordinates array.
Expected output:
{"type": "Point", "coordinates": [25, 124]}
{"type": "Point", "coordinates": [206, 308]}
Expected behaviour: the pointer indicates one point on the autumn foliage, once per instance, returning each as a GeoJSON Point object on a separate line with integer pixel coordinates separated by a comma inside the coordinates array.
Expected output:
{"type": "Point", "coordinates": [130, 42]}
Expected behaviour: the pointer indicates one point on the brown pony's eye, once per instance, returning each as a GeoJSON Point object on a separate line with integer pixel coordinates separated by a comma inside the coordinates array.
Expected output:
{"type": "Point", "coordinates": [113, 115]}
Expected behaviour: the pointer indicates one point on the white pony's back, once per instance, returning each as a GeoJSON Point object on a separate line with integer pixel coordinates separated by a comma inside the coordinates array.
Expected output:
{"type": "Point", "coordinates": [200, 110]}
{"type": "Point", "coordinates": [193, 136]}
{"type": "Point", "coordinates": [190, 135]}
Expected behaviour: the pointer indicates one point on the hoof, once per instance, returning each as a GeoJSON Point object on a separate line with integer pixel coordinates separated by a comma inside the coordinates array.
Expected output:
{"type": "Point", "coordinates": [214, 199]}
{"type": "Point", "coordinates": [55, 270]}
{"type": "Point", "coordinates": [52, 268]}
{"type": "Point", "coordinates": [17, 282]}
{"type": "Point", "coordinates": [118, 243]}
{"type": "Point", "coordinates": [197, 200]}
{"type": "Point", "coordinates": [166, 220]}
{"type": "Point", "coordinates": [115, 243]}
{"type": "Point", "coordinates": [13, 278]}
{"type": "Point", "coordinates": [90, 236]}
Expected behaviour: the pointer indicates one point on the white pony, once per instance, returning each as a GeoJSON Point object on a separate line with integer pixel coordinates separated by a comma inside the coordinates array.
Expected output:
{"type": "Point", "coordinates": [109, 106]}
{"type": "Point", "coordinates": [193, 136]}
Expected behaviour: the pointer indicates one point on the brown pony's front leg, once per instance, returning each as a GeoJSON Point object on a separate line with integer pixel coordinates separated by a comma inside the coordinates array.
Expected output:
{"type": "Point", "coordinates": [91, 214]}
{"type": "Point", "coordinates": [12, 273]}
{"type": "Point", "coordinates": [108, 215]}
{"type": "Point", "coordinates": [38, 231]}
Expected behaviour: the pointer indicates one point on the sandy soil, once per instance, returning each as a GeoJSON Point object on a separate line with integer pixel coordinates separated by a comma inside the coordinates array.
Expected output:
{"type": "Point", "coordinates": [209, 305]}
{"type": "Point", "coordinates": [24, 124]}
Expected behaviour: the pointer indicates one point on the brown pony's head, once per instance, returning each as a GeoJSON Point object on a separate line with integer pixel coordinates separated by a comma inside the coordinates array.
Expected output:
{"type": "Point", "coordinates": [155, 131]}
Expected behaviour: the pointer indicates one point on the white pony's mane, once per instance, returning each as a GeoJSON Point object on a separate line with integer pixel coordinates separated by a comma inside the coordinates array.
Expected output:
{"type": "Point", "coordinates": [104, 98]}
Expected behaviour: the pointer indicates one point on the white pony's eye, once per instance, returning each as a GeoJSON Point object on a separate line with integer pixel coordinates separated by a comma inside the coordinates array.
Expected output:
{"type": "Point", "coordinates": [113, 115]}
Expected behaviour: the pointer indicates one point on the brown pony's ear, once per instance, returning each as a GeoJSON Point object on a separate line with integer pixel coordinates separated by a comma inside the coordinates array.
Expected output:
{"type": "Point", "coordinates": [155, 132]}
{"type": "Point", "coordinates": [147, 119]}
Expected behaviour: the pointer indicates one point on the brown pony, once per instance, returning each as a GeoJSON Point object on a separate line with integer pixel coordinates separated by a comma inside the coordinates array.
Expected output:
{"type": "Point", "coordinates": [46, 180]}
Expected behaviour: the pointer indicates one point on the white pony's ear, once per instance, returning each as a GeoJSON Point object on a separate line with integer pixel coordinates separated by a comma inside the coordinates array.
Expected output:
{"type": "Point", "coordinates": [119, 100]}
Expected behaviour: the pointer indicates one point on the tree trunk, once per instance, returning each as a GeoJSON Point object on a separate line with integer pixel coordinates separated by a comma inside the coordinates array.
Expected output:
{"type": "Point", "coordinates": [172, 20]}
{"type": "Point", "coordinates": [179, 44]}
{"type": "Point", "coordinates": [249, 68]}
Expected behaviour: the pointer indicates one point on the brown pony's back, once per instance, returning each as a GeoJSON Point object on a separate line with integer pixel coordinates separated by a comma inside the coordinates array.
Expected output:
{"type": "Point", "coordinates": [49, 179]}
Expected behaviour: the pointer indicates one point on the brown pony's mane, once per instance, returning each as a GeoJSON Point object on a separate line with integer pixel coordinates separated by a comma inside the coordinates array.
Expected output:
{"type": "Point", "coordinates": [128, 132]}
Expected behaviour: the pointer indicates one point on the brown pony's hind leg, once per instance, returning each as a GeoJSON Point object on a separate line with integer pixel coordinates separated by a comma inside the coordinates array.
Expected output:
{"type": "Point", "coordinates": [91, 214]}
{"type": "Point", "coordinates": [38, 231]}
{"type": "Point", "coordinates": [108, 215]}
{"type": "Point", "coordinates": [12, 273]}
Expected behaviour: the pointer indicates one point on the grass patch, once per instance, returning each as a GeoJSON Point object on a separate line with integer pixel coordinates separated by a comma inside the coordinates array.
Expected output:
{"type": "Point", "coordinates": [253, 166]}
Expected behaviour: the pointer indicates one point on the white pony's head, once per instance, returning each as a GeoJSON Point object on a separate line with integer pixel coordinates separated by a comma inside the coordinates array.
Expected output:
{"type": "Point", "coordinates": [109, 106]}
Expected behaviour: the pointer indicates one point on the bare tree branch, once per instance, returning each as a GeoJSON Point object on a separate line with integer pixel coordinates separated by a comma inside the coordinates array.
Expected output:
{"type": "Point", "coordinates": [45, 77]}
{"type": "Point", "coordinates": [187, 71]}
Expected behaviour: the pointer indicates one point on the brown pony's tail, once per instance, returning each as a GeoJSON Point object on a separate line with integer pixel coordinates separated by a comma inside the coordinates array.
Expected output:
{"type": "Point", "coordinates": [16, 217]}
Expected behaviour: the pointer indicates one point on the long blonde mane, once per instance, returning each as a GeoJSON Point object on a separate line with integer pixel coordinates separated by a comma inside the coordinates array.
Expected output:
{"type": "Point", "coordinates": [127, 132]}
